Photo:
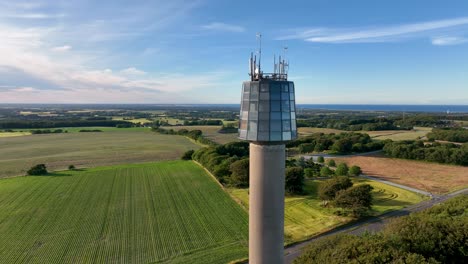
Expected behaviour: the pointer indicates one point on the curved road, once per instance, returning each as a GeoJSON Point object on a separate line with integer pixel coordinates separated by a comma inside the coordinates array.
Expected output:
{"type": "Point", "coordinates": [373, 224]}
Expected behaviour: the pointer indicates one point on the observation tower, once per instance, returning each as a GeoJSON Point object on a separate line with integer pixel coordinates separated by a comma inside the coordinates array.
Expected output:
{"type": "Point", "coordinates": [267, 121]}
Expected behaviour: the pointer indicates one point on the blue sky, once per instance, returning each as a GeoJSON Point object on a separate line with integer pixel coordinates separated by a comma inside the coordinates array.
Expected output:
{"type": "Point", "coordinates": [348, 52]}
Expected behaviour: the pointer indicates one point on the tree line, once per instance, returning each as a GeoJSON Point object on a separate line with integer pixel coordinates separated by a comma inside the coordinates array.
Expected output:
{"type": "Point", "coordinates": [342, 143]}
{"type": "Point", "coordinates": [433, 152]}
{"type": "Point", "coordinates": [449, 134]}
{"type": "Point", "coordinates": [435, 235]}
{"type": "Point", "coordinates": [19, 124]}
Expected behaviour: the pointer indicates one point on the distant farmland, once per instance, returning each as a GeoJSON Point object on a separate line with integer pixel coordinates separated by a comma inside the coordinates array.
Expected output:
{"type": "Point", "coordinates": [166, 212]}
{"type": "Point", "coordinates": [113, 146]}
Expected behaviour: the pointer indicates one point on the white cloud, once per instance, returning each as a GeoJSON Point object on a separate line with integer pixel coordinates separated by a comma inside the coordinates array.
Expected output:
{"type": "Point", "coordinates": [445, 41]}
{"type": "Point", "coordinates": [217, 26]}
{"type": "Point", "coordinates": [376, 34]}
{"type": "Point", "coordinates": [25, 89]}
{"type": "Point", "coordinates": [62, 48]}
{"type": "Point", "coordinates": [132, 71]}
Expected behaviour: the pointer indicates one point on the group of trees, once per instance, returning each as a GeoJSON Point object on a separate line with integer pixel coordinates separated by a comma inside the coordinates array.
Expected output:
{"type": "Point", "coordinates": [228, 129]}
{"type": "Point", "coordinates": [339, 143]}
{"type": "Point", "coordinates": [340, 192]}
{"type": "Point", "coordinates": [52, 123]}
{"type": "Point", "coordinates": [350, 123]}
{"type": "Point", "coordinates": [449, 134]}
{"type": "Point", "coordinates": [436, 235]}
{"type": "Point", "coordinates": [39, 169]}
{"type": "Point", "coordinates": [196, 135]}
{"type": "Point", "coordinates": [48, 131]}
{"type": "Point", "coordinates": [320, 169]}
{"type": "Point", "coordinates": [205, 122]}
{"type": "Point", "coordinates": [434, 152]}
{"type": "Point", "coordinates": [228, 163]}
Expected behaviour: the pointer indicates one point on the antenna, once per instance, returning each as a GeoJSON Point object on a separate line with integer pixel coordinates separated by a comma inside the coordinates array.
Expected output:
{"type": "Point", "coordinates": [259, 37]}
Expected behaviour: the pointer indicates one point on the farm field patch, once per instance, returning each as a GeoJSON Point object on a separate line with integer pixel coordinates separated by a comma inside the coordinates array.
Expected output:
{"type": "Point", "coordinates": [91, 149]}
{"type": "Point", "coordinates": [305, 217]}
{"type": "Point", "coordinates": [14, 134]}
{"type": "Point", "coordinates": [164, 212]}
{"type": "Point", "coordinates": [426, 176]}
{"type": "Point", "coordinates": [210, 132]}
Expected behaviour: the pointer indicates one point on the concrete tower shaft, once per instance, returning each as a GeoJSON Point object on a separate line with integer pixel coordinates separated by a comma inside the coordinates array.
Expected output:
{"type": "Point", "coordinates": [266, 203]}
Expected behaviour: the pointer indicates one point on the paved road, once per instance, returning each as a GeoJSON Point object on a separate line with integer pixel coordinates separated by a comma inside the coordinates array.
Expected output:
{"type": "Point", "coordinates": [373, 225]}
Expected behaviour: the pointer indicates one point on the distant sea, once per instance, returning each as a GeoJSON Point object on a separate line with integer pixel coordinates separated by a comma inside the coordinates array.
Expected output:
{"type": "Point", "coordinates": [402, 108]}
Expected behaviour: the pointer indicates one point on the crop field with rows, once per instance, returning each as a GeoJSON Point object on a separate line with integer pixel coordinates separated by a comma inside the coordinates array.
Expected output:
{"type": "Point", "coordinates": [165, 212]}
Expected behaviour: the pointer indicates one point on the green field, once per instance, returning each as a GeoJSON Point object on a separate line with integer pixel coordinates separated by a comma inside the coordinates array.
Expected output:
{"type": "Point", "coordinates": [165, 212]}
{"type": "Point", "coordinates": [113, 146]}
{"type": "Point", "coordinates": [210, 132]}
{"type": "Point", "coordinates": [13, 134]}
{"type": "Point", "coordinates": [396, 135]}
{"type": "Point", "coordinates": [305, 217]}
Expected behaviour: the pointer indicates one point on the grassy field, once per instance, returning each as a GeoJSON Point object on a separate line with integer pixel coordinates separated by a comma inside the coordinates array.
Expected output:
{"type": "Point", "coordinates": [136, 120]}
{"type": "Point", "coordinates": [305, 217]}
{"type": "Point", "coordinates": [395, 135]}
{"type": "Point", "coordinates": [14, 134]}
{"type": "Point", "coordinates": [114, 146]}
{"type": "Point", "coordinates": [431, 177]}
{"type": "Point", "coordinates": [165, 212]}
{"type": "Point", "coordinates": [211, 132]}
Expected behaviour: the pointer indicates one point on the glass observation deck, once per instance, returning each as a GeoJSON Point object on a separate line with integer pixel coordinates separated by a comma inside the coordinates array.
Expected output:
{"type": "Point", "coordinates": [268, 111]}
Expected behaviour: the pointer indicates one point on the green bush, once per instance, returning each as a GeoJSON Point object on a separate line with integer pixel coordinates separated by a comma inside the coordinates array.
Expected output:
{"type": "Point", "coordinates": [342, 169]}
{"type": "Point", "coordinates": [326, 172]}
{"type": "Point", "coordinates": [355, 170]}
{"type": "Point", "coordinates": [331, 163]}
{"type": "Point", "coordinates": [39, 169]}
{"type": "Point", "coordinates": [188, 154]}
{"type": "Point", "coordinates": [71, 167]}
{"type": "Point", "coordinates": [294, 180]}
{"type": "Point", "coordinates": [320, 159]}
{"type": "Point", "coordinates": [328, 189]}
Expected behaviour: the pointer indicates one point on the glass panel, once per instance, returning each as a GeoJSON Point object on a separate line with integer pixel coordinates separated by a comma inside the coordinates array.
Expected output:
{"type": "Point", "coordinates": [247, 87]}
{"type": "Point", "coordinates": [275, 125]}
{"type": "Point", "coordinates": [252, 127]}
{"type": "Point", "coordinates": [284, 96]}
{"type": "Point", "coordinates": [253, 107]}
{"type": "Point", "coordinates": [275, 115]}
{"type": "Point", "coordinates": [275, 106]}
{"type": "Point", "coordinates": [286, 125]}
{"type": "Point", "coordinates": [264, 106]}
{"type": "Point", "coordinates": [285, 116]}
{"type": "Point", "coordinates": [284, 87]}
{"type": "Point", "coordinates": [263, 136]}
{"type": "Point", "coordinates": [245, 115]}
{"type": "Point", "coordinates": [252, 136]}
{"type": "Point", "coordinates": [264, 125]}
{"type": "Point", "coordinates": [245, 106]}
{"type": "Point", "coordinates": [253, 116]}
{"type": "Point", "coordinates": [293, 115]}
{"type": "Point", "coordinates": [285, 106]}
{"type": "Point", "coordinates": [254, 88]}
{"type": "Point", "coordinates": [275, 87]}
{"type": "Point", "coordinates": [291, 96]}
{"type": "Point", "coordinates": [254, 97]}
{"type": "Point", "coordinates": [293, 124]}
{"type": "Point", "coordinates": [264, 87]}
{"type": "Point", "coordinates": [243, 125]}
{"type": "Point", "coordinates": [264, 116]}
{"type": "Point", "coordinates": [291, 87]}
{"type": "Point", "coordinates": [242, 133]}
{"type": "Point", "coordinates": [264, 96]}
{"type": "Point", "coordinates": [293, 106]}
{"type": "Point", "coordinates": [293, 134]}
{"type": "Point", "coordinates": [275, 136]}
{"type": "Point", "coordinates": [286, 135]}
{"type": "Point", "coordinates": [275, 96]}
